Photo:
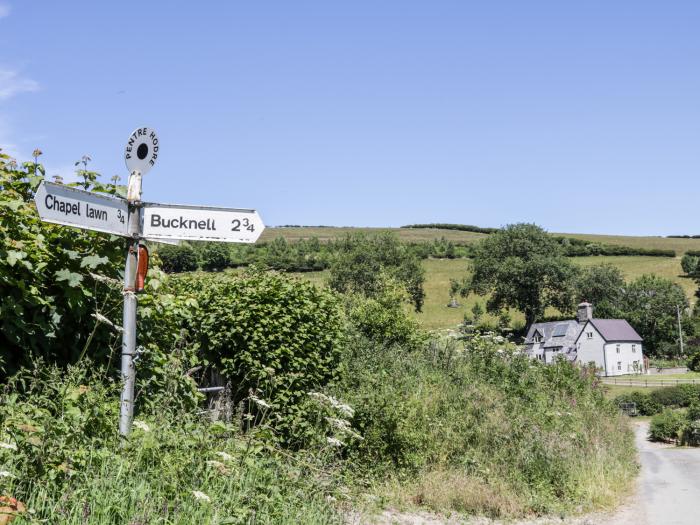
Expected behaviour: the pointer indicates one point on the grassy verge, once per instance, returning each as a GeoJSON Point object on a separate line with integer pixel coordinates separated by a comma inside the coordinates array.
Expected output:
{"type": "Point", "coordinates": [486, 433]}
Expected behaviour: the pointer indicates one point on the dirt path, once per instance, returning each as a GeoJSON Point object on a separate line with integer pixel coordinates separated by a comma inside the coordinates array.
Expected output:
{"type": "Point", "coordinates": [668, 493]}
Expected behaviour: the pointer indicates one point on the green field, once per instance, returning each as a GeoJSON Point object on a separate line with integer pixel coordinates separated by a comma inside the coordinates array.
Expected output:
{"type": "Point", "coordinates": [436, 315]}
{"type": "Point", "coordinates": [326, 233]}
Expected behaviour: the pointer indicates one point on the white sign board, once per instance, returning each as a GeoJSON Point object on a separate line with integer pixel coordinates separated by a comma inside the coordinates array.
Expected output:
{"type": "Point", "coordinates": [141, 150]}
{"type": "Point", "coordinates": [200, 223]}
{"type": "Point", "coordinates": [62, 204]}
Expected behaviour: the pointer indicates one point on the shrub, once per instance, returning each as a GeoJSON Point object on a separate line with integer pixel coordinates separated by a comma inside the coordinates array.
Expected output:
{"type": "Point", "coordinates": [666, 426]}
{"type": "Point", "coordinates": [361, 262]}
{"type": "Point", "coordinates": [689, 264]}
{"type": "Point", "coordinates": [269, 333]}
{"type": "Point", "coordinates": [178, 258]}
{"type": "Point", "coordinates": [214, 256]}
{"type": "Point", "coordinates": [48, 293]}
{"type": "Point", "coordinates": [383, 320]}
{"type": "Point", "coordinates": [694, 361]}
{"type": "Point", "coordinates": [646, 406]}
{"type": "Point", "coordinates": [676, 396]}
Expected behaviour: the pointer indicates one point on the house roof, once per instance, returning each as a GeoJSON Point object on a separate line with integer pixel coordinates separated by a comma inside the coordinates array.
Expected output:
{"type": "Point", "coordinates": [615, 330]}
{"type": "Point", "coordinates": [555, 334]}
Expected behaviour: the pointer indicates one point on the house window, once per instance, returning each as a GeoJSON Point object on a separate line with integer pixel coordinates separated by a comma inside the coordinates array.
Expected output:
{"type": "Point", "coordinates": [537, 338]}
{"type": "Point", "coordinates": [634, 348]}
{"type": "Point", "coordinates": [619, 365]}
{"type": "Point", "coordinates": [617, 348]}
{"type": "Point", "coordinates": [589, 335]}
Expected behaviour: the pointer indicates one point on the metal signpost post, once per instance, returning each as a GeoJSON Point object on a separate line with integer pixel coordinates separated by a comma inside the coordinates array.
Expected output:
{"type": "Point", "coordinates": [136, 221]}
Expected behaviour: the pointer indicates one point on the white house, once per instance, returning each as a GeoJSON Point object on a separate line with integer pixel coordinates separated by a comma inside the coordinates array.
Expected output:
{"type": "Point", "coordinates": [612, 344]}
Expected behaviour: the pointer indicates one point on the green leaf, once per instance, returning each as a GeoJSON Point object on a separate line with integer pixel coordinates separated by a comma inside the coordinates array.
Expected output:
{"type": "Point", "coordinates": [73, 279]}
{"type": "Point", "coordinates": [93, 261]}
{"type": "Point", "coordinates": [14, 205]}
{"type": "Point", "coordinates": [13, 256]}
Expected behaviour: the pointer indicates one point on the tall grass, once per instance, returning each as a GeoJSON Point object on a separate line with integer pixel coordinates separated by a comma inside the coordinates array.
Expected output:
{"type": "Point", "coordinates": [483, 430]}
{"type": "Point", "coordinates": [63, 459]}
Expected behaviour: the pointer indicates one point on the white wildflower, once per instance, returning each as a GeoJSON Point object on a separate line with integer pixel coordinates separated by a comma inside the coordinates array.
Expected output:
{"type": "Point", "coordinates": [260, 402]}
{"type": "Point", "coordinates": [225, 456]}
{"type": "Point", "coordinates": [334, 442]}
{"type": "Point", "coordinates": [102, 319]}
{"type": "Point", "coordinates": [143, 426]}
{"type": "Point", "coordinates": [105, 279]}
{"type": "Point", "coordinates": [343, 426]}
{"type": "Point", "coordinates": [201, 496]}
{"type": "Point", "coordinates": [344, 409]}
{"type": "Point", "coordinates": [5, 474]}
{"type": "Point", "coordinates": [8, 446]}
{"type": "Point", "coordinates": [214, 463]}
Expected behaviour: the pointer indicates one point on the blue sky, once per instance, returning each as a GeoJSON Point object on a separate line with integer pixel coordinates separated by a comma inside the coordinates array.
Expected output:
{"type": "Point", "coordinates": [578, 116]}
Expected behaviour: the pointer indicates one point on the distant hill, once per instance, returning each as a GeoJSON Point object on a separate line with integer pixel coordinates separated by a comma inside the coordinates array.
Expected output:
{"type": "Point", "coordinates": [427, 233]}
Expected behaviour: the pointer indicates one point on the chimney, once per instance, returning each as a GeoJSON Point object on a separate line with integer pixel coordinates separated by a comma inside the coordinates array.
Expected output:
{"type": "Point", "coordinates": [584, 313]}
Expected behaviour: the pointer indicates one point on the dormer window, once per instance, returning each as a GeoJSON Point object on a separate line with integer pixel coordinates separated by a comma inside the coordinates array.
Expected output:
{"type": "Point", "coordinates": [537, 338]}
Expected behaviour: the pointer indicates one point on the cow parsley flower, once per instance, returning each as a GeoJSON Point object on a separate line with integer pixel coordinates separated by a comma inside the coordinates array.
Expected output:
{"type": "Point", "coordinates": [334, 442]}
{"type": "Point", "coordinates": [201, 496]}
{"type": "Point", "coordinates": [143, 426]}
{"type": "Point", "coordinates": [5, 474]}
{"type": "Point", "coordinates": [225, 456]}
{"type": "Point", "coordinates": [8, 446]}
{"type": "Point", "coordinates": [260, 402]}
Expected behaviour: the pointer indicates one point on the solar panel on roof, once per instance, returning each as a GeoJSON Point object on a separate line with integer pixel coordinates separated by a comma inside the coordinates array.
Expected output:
{"type": "Point", "coordinates": [560, 330]}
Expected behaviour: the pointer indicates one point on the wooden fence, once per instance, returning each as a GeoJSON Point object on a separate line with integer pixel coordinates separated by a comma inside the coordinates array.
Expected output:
{"type": "Point", "coordinates": [648, 383]}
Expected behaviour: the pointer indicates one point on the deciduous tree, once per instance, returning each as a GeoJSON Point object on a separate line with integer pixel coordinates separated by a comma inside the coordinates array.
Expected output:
{"type": "Point", "coordinates": [521, 266]}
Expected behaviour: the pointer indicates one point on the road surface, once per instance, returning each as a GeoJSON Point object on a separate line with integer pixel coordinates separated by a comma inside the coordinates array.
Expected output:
{"type": "Point", "coordinates": [668, 489]}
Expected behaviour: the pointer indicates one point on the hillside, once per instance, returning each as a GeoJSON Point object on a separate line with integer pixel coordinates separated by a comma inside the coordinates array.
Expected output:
{"type": "Point", "coordinates": [327, 233]}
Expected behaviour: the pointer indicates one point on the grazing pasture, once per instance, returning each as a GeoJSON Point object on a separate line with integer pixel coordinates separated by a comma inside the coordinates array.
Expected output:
{"type": "Point", "coordinates": [326, 233]}
{"type": "Point", "coordinates": [438, 272]}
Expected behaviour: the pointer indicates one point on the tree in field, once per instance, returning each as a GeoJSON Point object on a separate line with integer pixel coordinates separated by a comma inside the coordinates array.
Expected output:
{"type": "Point", "coordinates": [361, 262]}
{"type": "Point", "coordinates": [649, 304]}
{"type": "Point", "coordinates": [603, 286]}
{"type": "Point", "coordinates": [521, 266]}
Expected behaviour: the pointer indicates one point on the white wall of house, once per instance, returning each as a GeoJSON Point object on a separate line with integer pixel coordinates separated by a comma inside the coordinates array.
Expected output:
{"type": "Point", "coordinates": [590, 347]}
{"type": "Point", "coordinates": [614, 358]}
{"type": "Point", "coordinates": [537, 352]}
{"type": "Point", "coordinates": [621, 358]}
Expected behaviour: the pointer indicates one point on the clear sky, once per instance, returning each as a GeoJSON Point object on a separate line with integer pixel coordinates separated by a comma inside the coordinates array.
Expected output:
{"type": "Point", "coordinates": [578, 116]}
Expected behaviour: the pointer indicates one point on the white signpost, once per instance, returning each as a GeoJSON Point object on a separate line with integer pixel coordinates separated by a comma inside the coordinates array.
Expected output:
{"type": "Point", "coordinates": [137, 221]}
{"type": "Point", "coordinates": [83, 209]}
{"type": "Point", "coordinates": [201, 223]}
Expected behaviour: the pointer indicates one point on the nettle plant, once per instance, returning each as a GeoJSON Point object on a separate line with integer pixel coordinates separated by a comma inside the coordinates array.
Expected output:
{"type": "Point", "coordinates": [49, 297]}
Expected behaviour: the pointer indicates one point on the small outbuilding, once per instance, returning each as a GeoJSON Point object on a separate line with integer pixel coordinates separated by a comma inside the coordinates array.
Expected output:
{"type": "Point", "coordinates": [611, 344]}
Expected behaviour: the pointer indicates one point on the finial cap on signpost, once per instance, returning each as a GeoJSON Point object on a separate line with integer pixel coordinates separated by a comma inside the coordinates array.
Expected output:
{"type": "Point", "coordinates": [141, 150]}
